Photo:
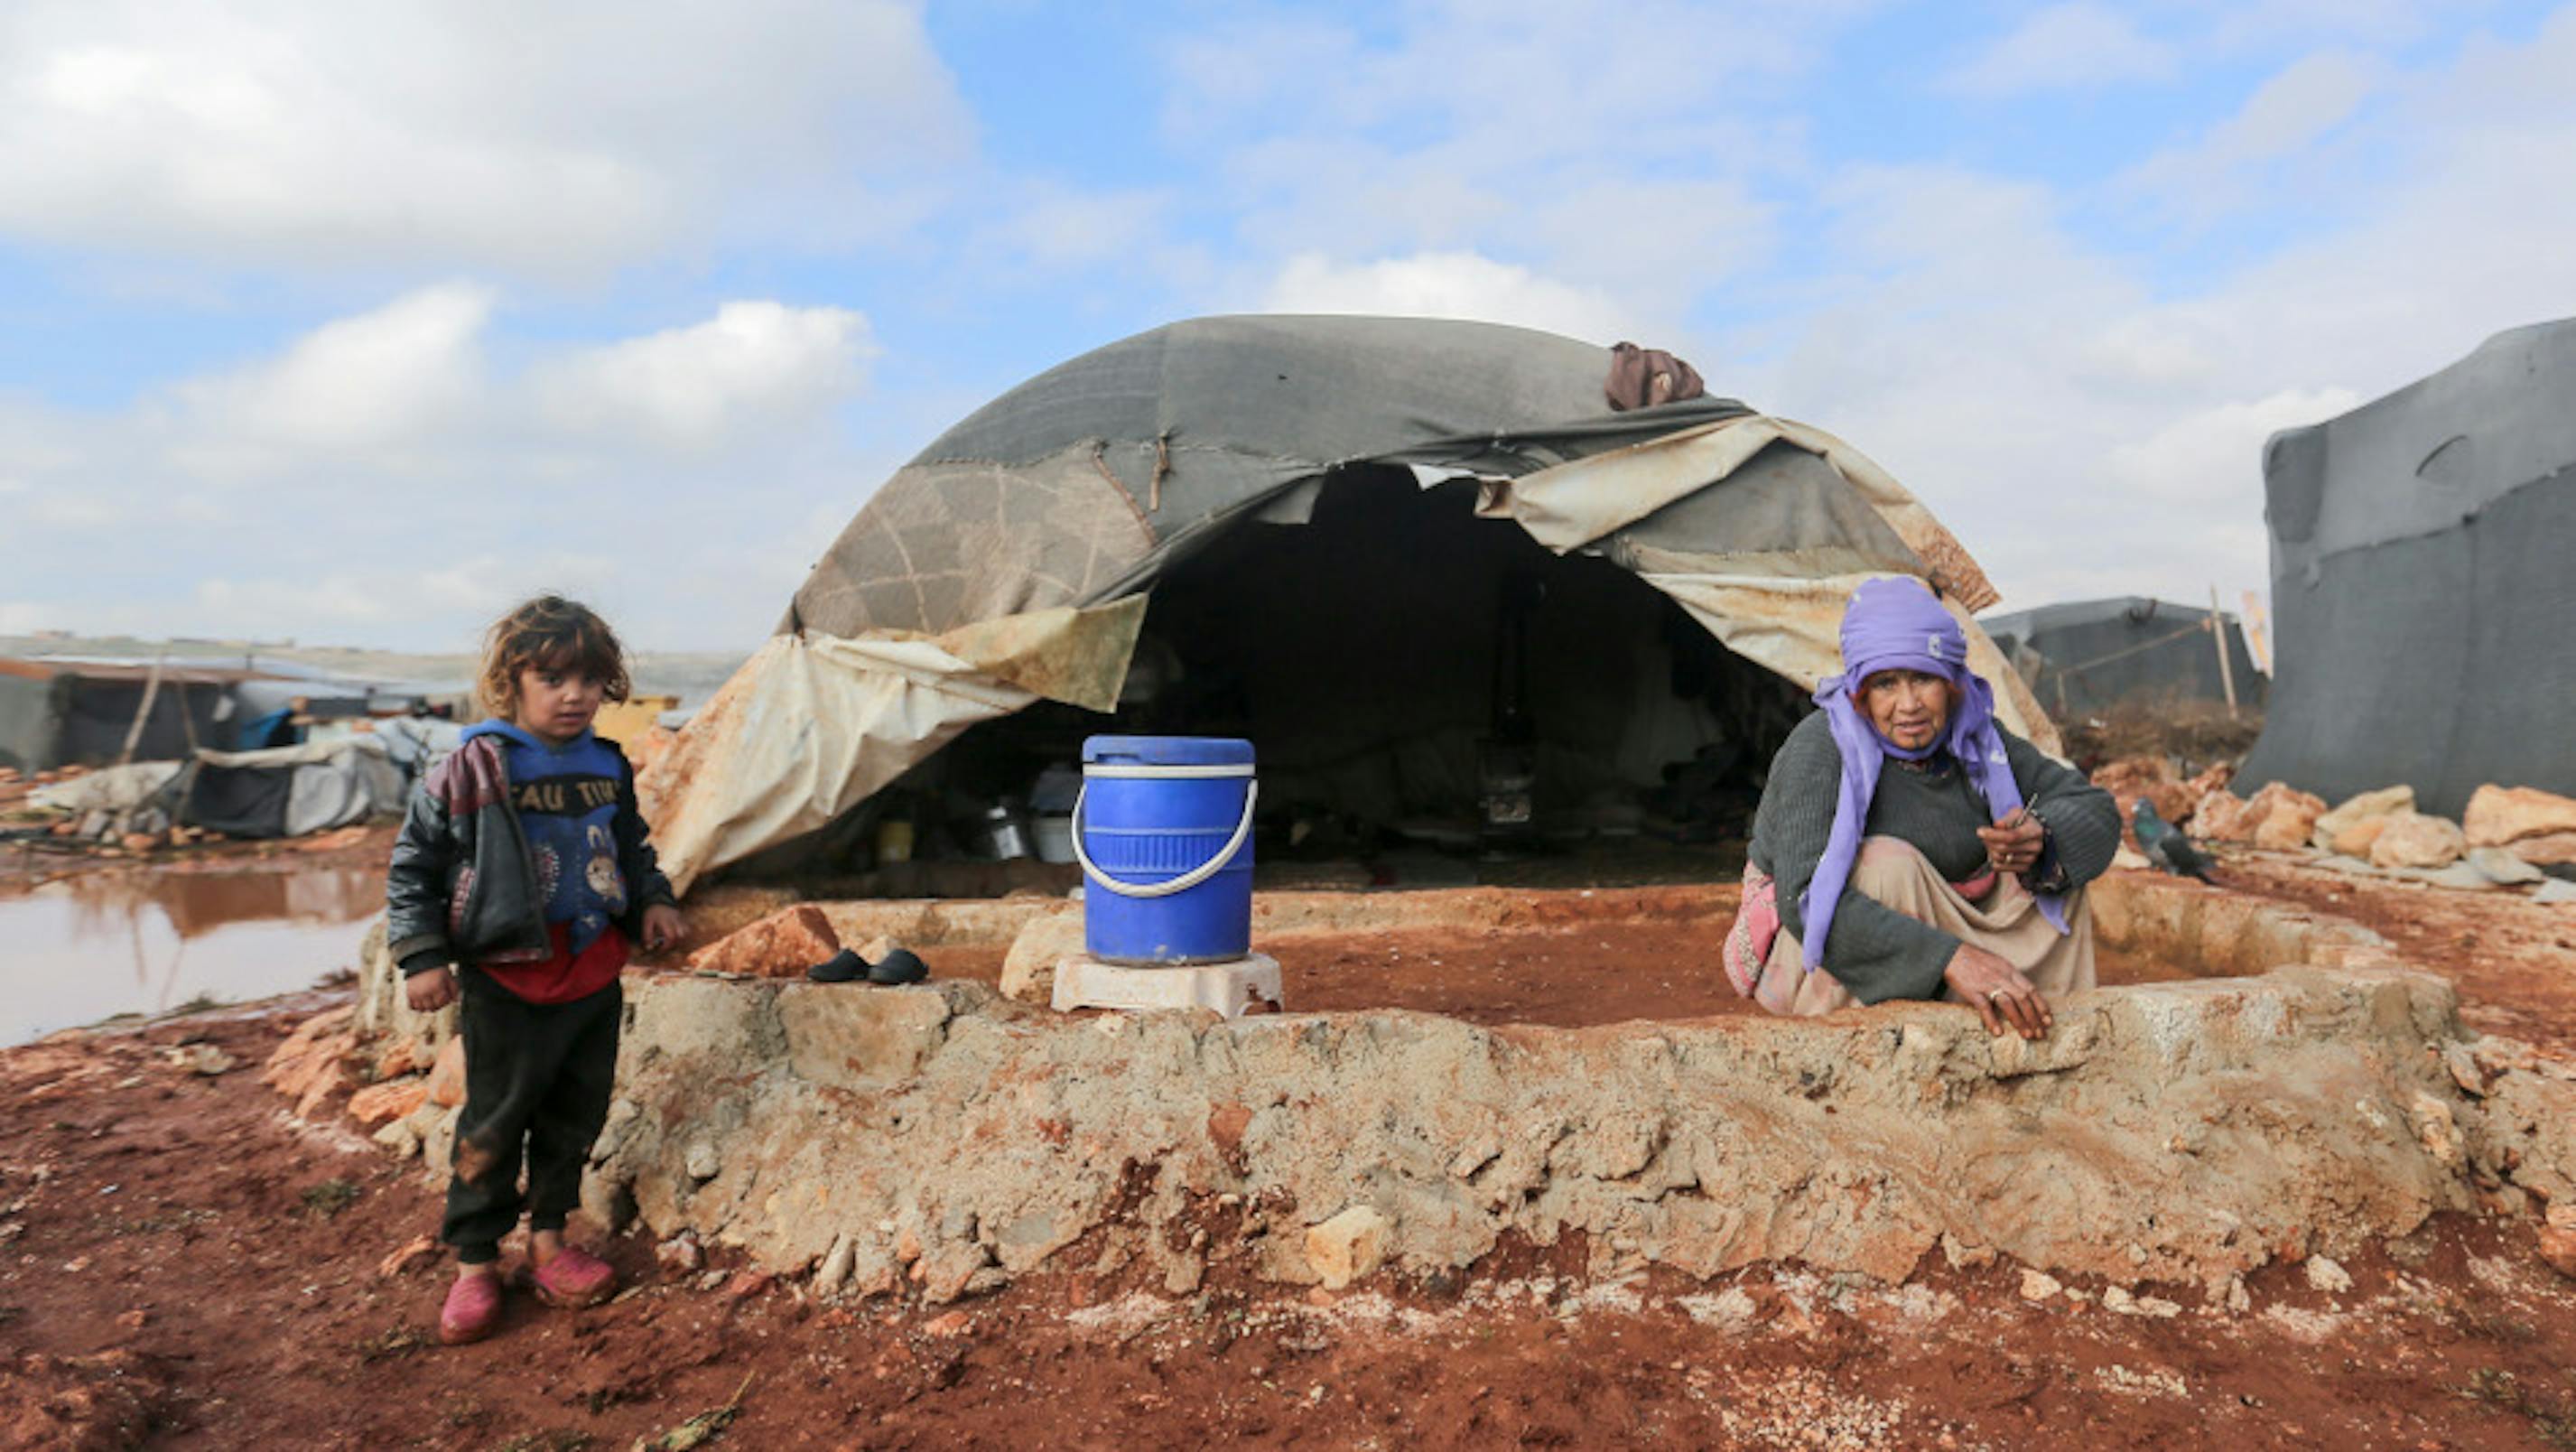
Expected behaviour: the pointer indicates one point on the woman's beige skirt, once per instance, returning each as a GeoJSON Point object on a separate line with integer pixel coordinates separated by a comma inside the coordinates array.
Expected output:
{"type": "Point", "coordinates": [2009, 925]}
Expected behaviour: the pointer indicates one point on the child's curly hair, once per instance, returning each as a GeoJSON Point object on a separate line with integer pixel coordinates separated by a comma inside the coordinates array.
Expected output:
{"type": "Point", "coordinates": [548, 633]}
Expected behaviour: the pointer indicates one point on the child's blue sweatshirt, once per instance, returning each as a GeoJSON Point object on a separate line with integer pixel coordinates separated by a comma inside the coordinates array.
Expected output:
{"type": "Point", "coordinates": [566, 798]}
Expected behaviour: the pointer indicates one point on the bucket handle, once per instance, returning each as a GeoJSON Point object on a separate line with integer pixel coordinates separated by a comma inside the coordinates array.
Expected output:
{"type": "Point", "coordinates": [1182, 883]}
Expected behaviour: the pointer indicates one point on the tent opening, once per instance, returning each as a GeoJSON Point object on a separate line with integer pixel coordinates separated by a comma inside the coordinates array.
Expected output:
{"type": "Point", "coordinates": [1410, 674]}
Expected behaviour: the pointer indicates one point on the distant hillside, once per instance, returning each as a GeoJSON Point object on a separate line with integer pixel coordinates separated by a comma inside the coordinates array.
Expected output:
{"type": "Point", "coordinates": [690, 675]}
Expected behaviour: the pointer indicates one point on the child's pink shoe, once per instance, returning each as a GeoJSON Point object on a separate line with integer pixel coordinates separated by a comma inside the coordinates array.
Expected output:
{"type": "Point", "coordinates": [473, 1308]}
{"type": "Point", "coordinates": [575, 1278]}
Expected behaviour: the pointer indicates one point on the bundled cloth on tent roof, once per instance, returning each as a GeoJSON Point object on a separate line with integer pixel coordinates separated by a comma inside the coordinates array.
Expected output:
{"type": "Point", "coordinates": [1007, 563]}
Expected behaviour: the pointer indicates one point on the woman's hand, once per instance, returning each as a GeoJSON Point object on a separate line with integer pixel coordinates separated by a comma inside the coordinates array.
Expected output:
{"type": "Point", "coordinates": [1998, 992]}
{"type": "Point", "coordinates": [430, 991]}
{"type": "Point", "coordinates": [663, 927]}
{"type": "Point", "coordinates": [2013, 844]}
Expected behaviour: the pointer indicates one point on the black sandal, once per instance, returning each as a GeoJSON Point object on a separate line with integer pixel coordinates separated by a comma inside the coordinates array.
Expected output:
{"type": "Point", "coordinates": [842, 967]}
{"type": "Point", "coordinates": [898, 967]}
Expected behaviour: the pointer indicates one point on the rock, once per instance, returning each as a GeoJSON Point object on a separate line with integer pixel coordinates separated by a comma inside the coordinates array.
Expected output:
{"type": "Point", "coordinates": [2558, 1239]}
{"type": "Point", "coordinates": [834, 1272]}
{"type": "Point", "coordinates": [2549, 849]}
{"type": "Point", "coordinates": [203, 1059]}
{"type": "Point", "coordinates": [680, 1254]}
{"type": "Point", "coordinates": [416, 1252]}
{"type": "Point", "coordinates": [703, 1162]}
{"type": "Point", "coordinates": [2324, 1274]}
{"type": "Point", "coordinates": [401, 1136]}
{"type": "Point", "coordinates": [2413, 839]}
{"type": "Point", "coordinates": [2289, 819]}
{"type": "Point", "coordinates": [2555, 891]}
{"type": "Point", "coordinates": [2039, 1285]}
{"type": "Point", "coordinates": [2500, 816]}
{"type": "Point", "coordinates": [2363, 808]}
{"type": "Point", "coordinates": [138, 841]}
{"type": "Point", "coordinates": [2355, 839]}
{"type": "Point", "coordinates": [748, 1283]}
{"type": "Point", "coordinates": [378, 1103]}
{"type": "Point", "coordinates": [2221, 818]}
{"type": "Point", "coordinates": [447, 1074]}
{"type": "Point", "coordinates": [2500, 865]}
{"type": "Point", "coordinates": [781, 945]}
{"type": "Point", "coordinates": [1028, 973]}
{"type": "Point", "coordinates": [954, 1323]}
{"type": "Point", "coordinates": [1347, 1247]}
{"type": "Point", "coordinates": [401, 1055]}
{"type": "Point", "coordinates": [2276, 817]}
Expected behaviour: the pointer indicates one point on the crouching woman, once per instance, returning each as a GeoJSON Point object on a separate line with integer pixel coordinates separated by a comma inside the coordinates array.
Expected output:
{"type": "Point", "coordinates": [1907, 846]}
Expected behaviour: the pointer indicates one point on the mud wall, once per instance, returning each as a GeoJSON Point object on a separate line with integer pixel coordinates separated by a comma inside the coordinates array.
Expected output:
{"type": "Point", "coordinates": [944, 1139]}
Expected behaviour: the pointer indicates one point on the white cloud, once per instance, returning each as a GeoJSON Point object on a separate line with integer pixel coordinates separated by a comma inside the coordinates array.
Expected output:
{"type": "Point", "coordinates": [1447, 285]}
{"type": "Point", "coordinates": [380, 379]}
{"type": "Point", "coordinates": [2065, 47]}
{"type": "Point", "coordinates": [380, 479]}
{"type": "Point", "coordinates": [2209, 457]}
{"type": "Point", "coordinates": [2280, 125]}
{"type": "Point", "coordinates": [694, 385]}
{"type": "Point", "coordinates": [474, 133]}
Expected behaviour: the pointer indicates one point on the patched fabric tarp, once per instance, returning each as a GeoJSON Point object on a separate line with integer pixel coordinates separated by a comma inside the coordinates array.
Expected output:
{"type": "Point", "coordinates": [1081, 487]}
{"type": "Point", "coordinates": [2420, 583]}
{"type": "Point", "coordinates": [290, 791]}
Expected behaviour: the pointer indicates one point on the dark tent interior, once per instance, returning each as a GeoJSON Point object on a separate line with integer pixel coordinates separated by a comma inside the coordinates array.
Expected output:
{"type": "Point", "coordinates": [1410, 675]}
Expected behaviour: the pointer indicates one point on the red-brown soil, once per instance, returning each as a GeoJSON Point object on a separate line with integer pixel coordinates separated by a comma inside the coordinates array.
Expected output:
{"type": "Point", "coordinates": [184, 1268]}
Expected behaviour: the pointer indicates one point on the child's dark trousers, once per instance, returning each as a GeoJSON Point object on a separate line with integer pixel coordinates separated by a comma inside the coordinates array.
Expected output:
{"type": "Point", "coordinates": [537, 1083]}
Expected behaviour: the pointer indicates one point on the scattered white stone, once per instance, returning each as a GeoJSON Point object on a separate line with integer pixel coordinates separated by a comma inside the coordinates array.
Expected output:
{"type": "Point", "coordinates": [2499, 865]}
{"type": "Point", "coordinates": [2039, 1285]}
{"type": "Point", "coordinates": [1730, 1310]}
{"type": "Point", "coordinates": [2327, 1276]}
{"type": "Point", "coordinates": [2555, 890]}
{"type": "Point", "coordinates": [703, 1162]}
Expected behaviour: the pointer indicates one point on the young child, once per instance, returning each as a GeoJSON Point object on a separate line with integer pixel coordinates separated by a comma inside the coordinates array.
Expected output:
{"type": "Point", "coordinates": [523, 861]}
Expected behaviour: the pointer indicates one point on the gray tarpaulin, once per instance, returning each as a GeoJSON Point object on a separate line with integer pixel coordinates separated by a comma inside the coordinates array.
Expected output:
{"type": "Point", "coordinates": [2085, 655]}
{"type": "Point", "coordinates": [980, 577]}
{"type": "Point", "coordinates": [2421, 584]}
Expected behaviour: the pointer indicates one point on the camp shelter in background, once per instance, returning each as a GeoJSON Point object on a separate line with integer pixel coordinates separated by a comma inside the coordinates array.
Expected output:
{"type": "Point", "coordinates": [2421, 587]}
{"type": "Point", "coordinates": [56, 712]}
{"type": "Point", "coordinates": [2085, 656]}
{"type": "Point", "coordinates": [1383, 549]}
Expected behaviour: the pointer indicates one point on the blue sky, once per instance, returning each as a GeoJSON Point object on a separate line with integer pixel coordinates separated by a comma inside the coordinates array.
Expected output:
{"type": "Point", "coordinates": [354, 323]}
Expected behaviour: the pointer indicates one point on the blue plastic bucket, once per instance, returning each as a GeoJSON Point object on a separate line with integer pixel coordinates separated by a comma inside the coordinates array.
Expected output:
{"type": "Point", "coordinates": [1163, 830]}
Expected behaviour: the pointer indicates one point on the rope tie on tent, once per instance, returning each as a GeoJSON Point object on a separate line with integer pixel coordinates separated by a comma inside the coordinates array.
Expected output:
{"type": "Point", "coordinates": [1100, 461]}
{"type": "Point", "coordinates": [1162, 466]}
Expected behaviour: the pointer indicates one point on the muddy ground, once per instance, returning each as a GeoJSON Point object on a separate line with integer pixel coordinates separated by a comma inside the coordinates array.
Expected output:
{"type": "Point", "coordinates": [183, 1266]}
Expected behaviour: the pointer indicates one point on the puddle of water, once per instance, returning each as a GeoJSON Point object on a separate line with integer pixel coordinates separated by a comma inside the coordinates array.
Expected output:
{"type": "Point", "coordinates": [78, 951]}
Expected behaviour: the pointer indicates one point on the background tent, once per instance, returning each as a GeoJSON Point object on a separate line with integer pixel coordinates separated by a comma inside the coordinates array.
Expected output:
{"type": "Point", "coordinates": [289, 791]}
{"type": "Point", "coordinates": [1353, 530]}
{"type": "Point", "coordinates": [62, 712]}
{"type": "Point", "coordinates": [2421, 590]}
{"type": "Point", "coordinates": [2085, 655]}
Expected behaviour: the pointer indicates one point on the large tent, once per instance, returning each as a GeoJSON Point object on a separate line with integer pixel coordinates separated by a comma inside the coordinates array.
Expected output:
{"type": "Point", "coordinates": [1340, 523]}
{"type": "Point", "coordinates": [2084, 656]}
{"type": "Point", "coordinates": [2420, 583]}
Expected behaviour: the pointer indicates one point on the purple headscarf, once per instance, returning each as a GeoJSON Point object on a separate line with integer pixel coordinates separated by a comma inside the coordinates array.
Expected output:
{"type": "Point", "coordinates": [1895, 625]}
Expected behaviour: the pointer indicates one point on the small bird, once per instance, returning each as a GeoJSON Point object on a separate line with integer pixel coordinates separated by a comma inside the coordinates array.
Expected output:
{"type": "Point", "coordinates": [2167, 847]}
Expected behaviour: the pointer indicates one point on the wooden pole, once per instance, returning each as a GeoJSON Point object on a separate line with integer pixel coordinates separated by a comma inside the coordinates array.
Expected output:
{"type": "Point", "coordinates": [142, 713]}
{"type": "Point", "coordinates": [2218, 633]}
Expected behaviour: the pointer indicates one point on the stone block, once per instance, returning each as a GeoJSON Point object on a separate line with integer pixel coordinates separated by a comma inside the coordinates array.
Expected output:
{"type": "Point", "coordinates": [446, 1085]}
{"type": "Point", "coordinates": [394, 1099]}
{"type": "Point", "coordinates": [2412, 839]}
{"type": "Point", "coordinates": [858, 1036]}
{"type": "Point", "coordinates": [1347, 1247]}
{"type": "Point", "coordinates": [781, 945]}
{"type": "Point", "coordinates": [2368, 806]}
{"type": "Point", "coordinates": [1028, 973]}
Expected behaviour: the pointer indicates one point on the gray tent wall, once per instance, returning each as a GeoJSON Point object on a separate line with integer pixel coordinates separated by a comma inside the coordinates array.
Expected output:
{"type": "Point", "coordinates": [59, 713]}
{"type": "Point", "coordinates": [2421, 584]}
{"type": "Point", "coordinates": [2094, 654]}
